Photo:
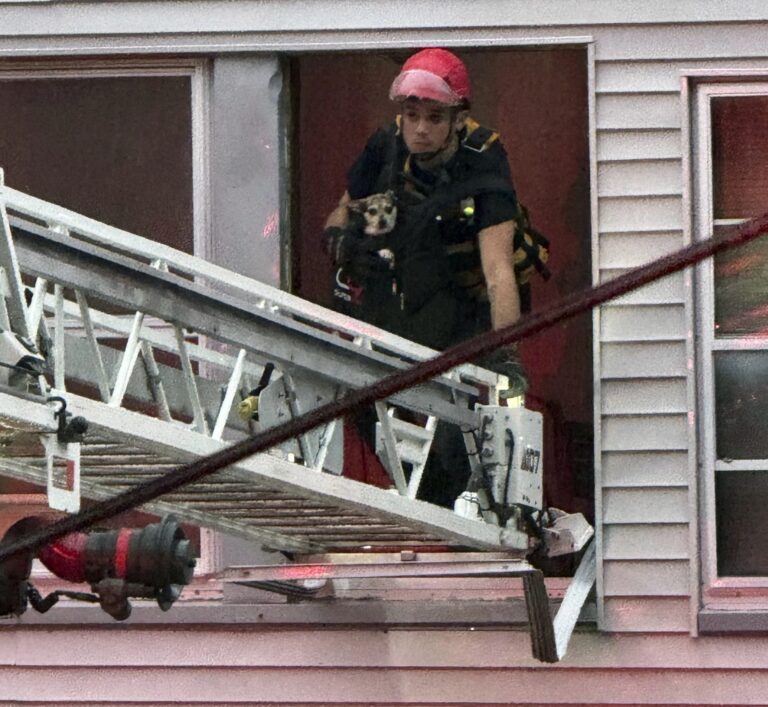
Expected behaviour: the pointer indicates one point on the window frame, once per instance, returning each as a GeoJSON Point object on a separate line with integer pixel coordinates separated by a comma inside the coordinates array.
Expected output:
{"type": "Point", "coordinates": [197, 70]}
{"type": "Point", "coordinates": [717, 592]}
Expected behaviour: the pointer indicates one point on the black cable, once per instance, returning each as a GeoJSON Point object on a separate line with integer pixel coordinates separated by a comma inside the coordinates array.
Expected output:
{"type": "Point", "coordinates": [388, 386]}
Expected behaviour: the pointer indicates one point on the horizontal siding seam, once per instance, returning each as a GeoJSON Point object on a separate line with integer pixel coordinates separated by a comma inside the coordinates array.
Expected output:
{"type": "Point", "coordinates": [637, 129]}
{"type": "Point", "coordinates": [647, 160]}
{"type": "Point", "coordinates": [642, 523]}
{"type": "Point", "coordinates": [660, 230]}
{"type": "Point", "coordinates": [678, 447]}
{"type": "Point", "coordinates": [635, 558]}
{"type": "Point", "coordinates": [648, 560]}
{"type": "Point", "coordinates": [651, 302]}
{"type": "Point", "coordinates": [644, 595]}
{"type": "Point", "coordinates": [676, 231]}
{"type": "Point", "coordinates": [650, 413]}
{"type": "Point", "coordinates": [650, 592]}
{"type": "Point", "coordinates": [648, 340]}
{"type": "Point", "coordinates": [639, 486]}
{"type": "Point", "coordinates": [660, 195]}
{"type": "Point", "coordinates": [665, 376]}
{"type": "Point", "coordinates": [618, 304]}
{"type": "Point", "coordinates": [638, 92]}
{"type": "Point", "coordinates": [661, 60]}
{"type": "Point", "coordinates": [643, 194]}
{"type": "Point", "coordinates": [633, 160]}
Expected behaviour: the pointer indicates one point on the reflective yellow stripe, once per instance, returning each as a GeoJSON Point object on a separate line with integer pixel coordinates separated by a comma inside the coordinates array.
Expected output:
{"type": "Point", "coordinates": [471, 125]}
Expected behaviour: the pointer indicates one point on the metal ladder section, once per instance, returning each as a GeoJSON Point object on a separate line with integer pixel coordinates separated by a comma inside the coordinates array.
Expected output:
{"type": "Point", "coordinates": [155, 347]}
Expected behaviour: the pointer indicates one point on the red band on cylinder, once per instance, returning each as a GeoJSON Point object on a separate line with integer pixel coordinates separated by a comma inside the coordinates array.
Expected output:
{"type": "Point", "coordinates": [121, 552]}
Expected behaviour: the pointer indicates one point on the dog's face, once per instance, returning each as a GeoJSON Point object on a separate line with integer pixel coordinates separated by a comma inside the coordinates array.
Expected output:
{"type": "Point", "coordinates": [378, 211]}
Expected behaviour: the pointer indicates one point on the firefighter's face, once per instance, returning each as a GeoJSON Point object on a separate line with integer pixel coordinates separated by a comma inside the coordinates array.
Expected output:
{"type": "Point", "coordinates": [428, 126]}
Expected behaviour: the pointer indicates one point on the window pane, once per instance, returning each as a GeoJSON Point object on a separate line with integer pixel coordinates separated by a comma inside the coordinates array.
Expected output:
{"type": "Point", "coordinates": [741, 404]}
{"type": "Point", "coordinates": [739, 148]}
{"type": "Point", "coordinates": [742, 523]}
{"type": "Point", "coordinates": [118, 149]}
{"type": "Point", "coordinates": [741, 290]}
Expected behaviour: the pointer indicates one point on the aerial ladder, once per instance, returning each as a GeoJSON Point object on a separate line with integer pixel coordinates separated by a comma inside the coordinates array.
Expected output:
{"type": "Point", "coordinates": [121, 358]}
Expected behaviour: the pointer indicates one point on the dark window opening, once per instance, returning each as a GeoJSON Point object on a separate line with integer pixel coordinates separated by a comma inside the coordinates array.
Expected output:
{"type": "Point", "coordinates": [538, 100]}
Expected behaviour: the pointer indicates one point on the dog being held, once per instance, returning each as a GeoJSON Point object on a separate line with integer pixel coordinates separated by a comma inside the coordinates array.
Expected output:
{"type": "Point", "coordinates": [377, 214]}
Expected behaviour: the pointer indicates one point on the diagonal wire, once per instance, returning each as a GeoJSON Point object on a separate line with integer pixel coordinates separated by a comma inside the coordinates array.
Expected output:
{"type": "Point", "coordinates": [469, 350]}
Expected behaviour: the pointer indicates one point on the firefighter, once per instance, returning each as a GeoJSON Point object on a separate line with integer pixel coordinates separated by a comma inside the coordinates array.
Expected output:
{"type": "Point", "coordinates": [453, 273]}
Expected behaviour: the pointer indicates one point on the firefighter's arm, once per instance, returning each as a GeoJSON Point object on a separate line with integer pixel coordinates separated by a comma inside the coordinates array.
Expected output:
{"type": "Point", "coordinates": [496, 259]}
{"type": "Point", "coordinates": [339, 217]}
{"type": "Point", "coordinates": [496, 248]}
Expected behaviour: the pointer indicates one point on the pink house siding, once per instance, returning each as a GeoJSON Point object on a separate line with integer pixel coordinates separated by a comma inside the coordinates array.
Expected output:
{"type": "Point", "coordinates": [300, 666]}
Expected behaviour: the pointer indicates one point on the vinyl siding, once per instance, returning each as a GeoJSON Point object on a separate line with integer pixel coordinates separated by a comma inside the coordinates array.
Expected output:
{"type": "Point", "coordinates": [646, 528]}
{"type": "Point", "coordinates": [352, 667]}
{"type": "Point", "coordinates": [645, 381]}
{"type": "Point", "coordinates": [646, 571]}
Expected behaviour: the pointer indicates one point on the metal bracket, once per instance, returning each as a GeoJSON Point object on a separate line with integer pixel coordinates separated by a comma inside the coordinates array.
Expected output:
{"type": "Point", "coordinates": [62, 463]}
{"type": "Point", "coordinates": [549, 637]}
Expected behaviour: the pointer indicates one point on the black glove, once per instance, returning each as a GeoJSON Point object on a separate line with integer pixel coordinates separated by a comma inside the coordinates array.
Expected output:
{"type": "Point", "coordinates": [506, 362]}
{"type": "Point", "coordinates": [354, 253]}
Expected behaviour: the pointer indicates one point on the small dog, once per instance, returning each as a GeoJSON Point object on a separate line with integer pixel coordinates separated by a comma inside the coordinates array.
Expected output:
{"type": "Point", "coordinates": [378, 213]}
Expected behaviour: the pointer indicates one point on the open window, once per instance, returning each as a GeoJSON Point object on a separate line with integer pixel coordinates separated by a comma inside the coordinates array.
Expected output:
{"type": "Point", "coordinates": [731, 173]}
{"type": "Point", "coordinates": [537, 98]}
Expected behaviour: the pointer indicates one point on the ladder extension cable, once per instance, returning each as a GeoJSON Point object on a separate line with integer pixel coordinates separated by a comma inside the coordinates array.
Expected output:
{"type": "Point", "coordinates": [469, 350]}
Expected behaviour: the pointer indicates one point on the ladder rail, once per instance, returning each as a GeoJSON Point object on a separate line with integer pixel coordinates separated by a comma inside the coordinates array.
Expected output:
{"type": "Point", "coordinates": [290, 306]}
{"type": "Point", "coordinates": [290, 344]}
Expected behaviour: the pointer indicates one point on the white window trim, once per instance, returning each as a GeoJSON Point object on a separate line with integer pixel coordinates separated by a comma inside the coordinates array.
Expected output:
{"type": "Point", "coordinates": [717, 592]}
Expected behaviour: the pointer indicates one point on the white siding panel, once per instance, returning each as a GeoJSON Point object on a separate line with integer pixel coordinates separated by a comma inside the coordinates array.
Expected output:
{"type": "Point", "coordinates": [638, 111]}
{"type": "Point", "coordinates": [647, 323]}
{"type": "Point", "coordinates": [653, 578]}
{"type": "Point", "coordinates": [682, 42]}
{"type": "Point", "coordinates": [651, 432]}
{"type": "Point", "coordinates": [653, 177]}
{"type": "Point", "coordinates": [656, 75]}
{"type": "Point", "coordinates": [644, 397]}
{"type": "Point", "coordinates": [635, 468]}
{"type": "Point", "coordinates": [639, 145]}
{"type": "Point", "coordinates": [640, 542]}
{"type": "Point", "coordinates": [667, 614]}
{"type": "Point", "coordinates": [636, 77]}
{"type": "Point", "coordinates": [628, 250]}
{"type": "Point", "coordinates": [640, 214]}
{"type": "Point", "coordinates": [643, 360]}
{"type": "Point", "coordinates": [667, 290]}
{"type": "Point", "coordinates": [645, 505]}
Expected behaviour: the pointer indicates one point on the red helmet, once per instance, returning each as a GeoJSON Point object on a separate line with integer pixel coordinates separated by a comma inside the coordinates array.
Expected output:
{"type": "Point", "coordinates": [433, 74]}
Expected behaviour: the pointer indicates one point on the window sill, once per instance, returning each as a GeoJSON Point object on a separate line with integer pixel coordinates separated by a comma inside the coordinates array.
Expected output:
{"type": "Point", "coordinates": [475, 614]}
{"type": "Point", "coordinates": [743, 620]}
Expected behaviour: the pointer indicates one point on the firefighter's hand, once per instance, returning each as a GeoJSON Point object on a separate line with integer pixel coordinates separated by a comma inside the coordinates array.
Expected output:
{"type": "Point", "coordinates": [355, 253]}
{"type": "Point", "coordinates": [506, 362]}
